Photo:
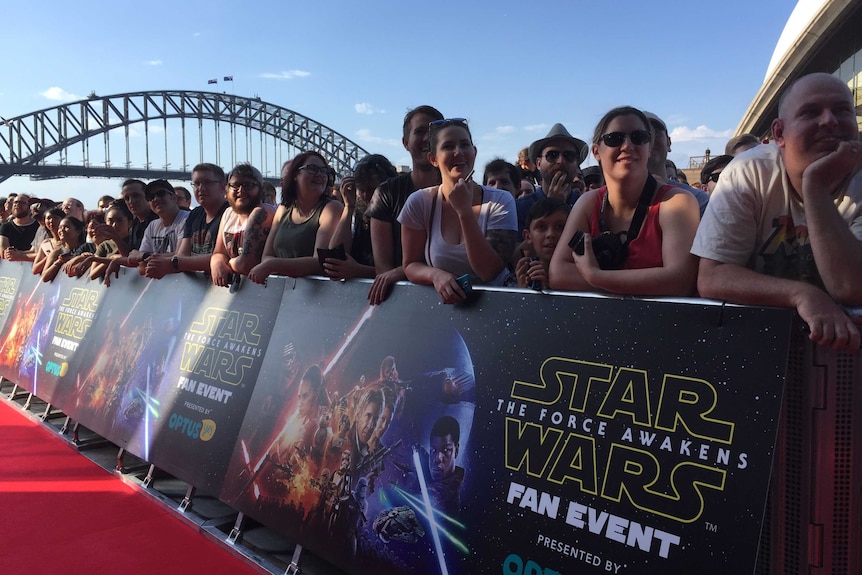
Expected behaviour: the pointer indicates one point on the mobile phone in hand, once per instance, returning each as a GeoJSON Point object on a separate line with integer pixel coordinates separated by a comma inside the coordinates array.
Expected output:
{"type": "Point", "coordinates": [577, 242]}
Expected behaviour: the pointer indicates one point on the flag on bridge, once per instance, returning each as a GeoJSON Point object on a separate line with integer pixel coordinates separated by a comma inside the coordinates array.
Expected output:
{"type": "Point", "coordinates": [213, 81]}
{"type": "Point", "coordinates": [228, 78]}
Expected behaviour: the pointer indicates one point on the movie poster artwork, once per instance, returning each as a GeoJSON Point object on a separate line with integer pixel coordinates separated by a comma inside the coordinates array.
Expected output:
{"type": "Point", "coordinates": [358, 439]}
{"type": "Point", "coordinates": [174, 373]}
{"type": "Point", "coordinates": [118, 391]}
{"type": "Point", "coordinates": [46, 331]}
{"type": "Point", "coordinates": [10, 280]}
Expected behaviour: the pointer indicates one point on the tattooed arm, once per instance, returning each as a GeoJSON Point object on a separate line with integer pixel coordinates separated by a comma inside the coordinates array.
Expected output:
{"type": "Point", "coordinates": [254, 239]}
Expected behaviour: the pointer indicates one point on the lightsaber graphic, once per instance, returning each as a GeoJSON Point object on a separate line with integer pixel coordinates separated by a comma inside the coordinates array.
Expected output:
{"type": "Point", "coordinates": [37, 361]}
{"type": "Point", "coordinates": [416, 503]}
{"type": "Point", "coordinates": [429, 511]}
{"type": "Point", "coordinates": [349, 338]}
{"type": "Point", "coordinates": [134, 305]}
{"type": "Point", "coordinates": [147, 421]}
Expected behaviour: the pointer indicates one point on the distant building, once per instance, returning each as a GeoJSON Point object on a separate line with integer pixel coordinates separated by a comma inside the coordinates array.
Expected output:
{"type": "Point", "coordinates": [820, 36]}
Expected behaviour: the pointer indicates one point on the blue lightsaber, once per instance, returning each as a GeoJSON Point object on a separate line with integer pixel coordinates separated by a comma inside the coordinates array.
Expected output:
{"type": "Point", "coordinates": [429, 511]}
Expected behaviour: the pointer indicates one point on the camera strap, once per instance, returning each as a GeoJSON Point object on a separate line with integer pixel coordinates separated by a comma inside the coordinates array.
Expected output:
{"type": "Point", "coordinates": [644, 202]}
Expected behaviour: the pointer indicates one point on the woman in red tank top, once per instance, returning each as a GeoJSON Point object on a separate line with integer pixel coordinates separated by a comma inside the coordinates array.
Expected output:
{"type": "Point", "coordinates": [637, 233]}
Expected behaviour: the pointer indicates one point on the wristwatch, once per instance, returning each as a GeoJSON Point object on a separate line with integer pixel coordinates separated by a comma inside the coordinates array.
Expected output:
{"type": "Point", "coordinates": [175, 261]}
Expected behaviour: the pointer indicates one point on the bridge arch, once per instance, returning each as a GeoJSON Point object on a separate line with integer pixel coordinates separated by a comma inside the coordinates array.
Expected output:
{"type": "Point", "coordinates": [27, 142]}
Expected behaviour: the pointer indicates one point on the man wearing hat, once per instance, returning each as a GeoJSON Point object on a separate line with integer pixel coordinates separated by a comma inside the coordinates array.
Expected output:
{"type": "Point", "coordinates": [558, 157]}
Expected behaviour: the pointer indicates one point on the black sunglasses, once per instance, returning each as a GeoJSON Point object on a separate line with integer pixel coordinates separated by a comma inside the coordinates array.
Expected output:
{"type": "Point", "coordinates": [616, 139]}
{"type": "Point", "coordinates": [713, 177]}
{"type": "Point", "coordinates": [569, 156]}
{"type": "Point", "coordinates": [158, 193]}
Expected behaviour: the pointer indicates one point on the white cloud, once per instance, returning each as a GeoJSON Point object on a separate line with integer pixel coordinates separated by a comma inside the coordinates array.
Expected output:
{"type": "Point", "coordinates": [686, 134]}
{"type": "Point", "coordinates": [364, 135]}
{"type": "Point", "coordinates": [500, 132]}
{"type": "Point", "coordinates": [289, 75]}
{"type": "Point", "coordinates": [367, 109]}
{"type": "Point", "coordinates": [196, 34]}
{"type": "Point", "coordinates": [153, 63]}
{"type": "Point", "coordinates": [535, 127]}
{"type": "Point", "coordinates": [59, 95]}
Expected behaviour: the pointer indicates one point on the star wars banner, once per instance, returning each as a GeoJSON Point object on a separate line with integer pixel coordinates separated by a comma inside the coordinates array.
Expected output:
{"type": "Point", "coordinates": [46, 331]}
{"type": "Point", "coordinates": [10, 280]}
{"type": "Point", "coordinates": [10, 284]}
{"type": "Point", "coordinates": [517, 434]}
{"type": "Point", "coordinates": [171, 378]}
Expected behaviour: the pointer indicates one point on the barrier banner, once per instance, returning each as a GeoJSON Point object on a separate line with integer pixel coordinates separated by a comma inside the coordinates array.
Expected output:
{"type": "Point", "coordinates": [171, 379]}
{"type": "Point", "coordinates": [10, 280]}
{"type": "Point", "coordinates": [47, 332]}
{"type": "Point", "coordinates": [516, 433]}
{"type": "Point", "coordinates": [519, 433]}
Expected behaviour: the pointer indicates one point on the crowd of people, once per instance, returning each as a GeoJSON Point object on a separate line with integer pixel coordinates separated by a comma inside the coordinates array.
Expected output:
{"type": "Point", "coordinates": [775, 223]}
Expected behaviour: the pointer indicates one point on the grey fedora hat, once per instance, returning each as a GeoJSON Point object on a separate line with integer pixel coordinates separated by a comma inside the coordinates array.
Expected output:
{"type": "Point", "coordinates": [559, 132]}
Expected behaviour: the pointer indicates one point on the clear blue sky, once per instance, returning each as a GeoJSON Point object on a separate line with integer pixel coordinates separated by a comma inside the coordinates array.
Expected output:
{"type": "Point", "coordinates": [512, 68]}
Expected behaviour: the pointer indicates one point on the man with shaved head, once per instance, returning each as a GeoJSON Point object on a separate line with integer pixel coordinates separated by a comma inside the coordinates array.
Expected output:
{"type": "Point", "coordinates": [784, 224]}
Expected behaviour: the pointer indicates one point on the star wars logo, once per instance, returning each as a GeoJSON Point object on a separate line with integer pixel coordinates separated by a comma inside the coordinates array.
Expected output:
{"type": "Point", "coordinates": [620, 399]}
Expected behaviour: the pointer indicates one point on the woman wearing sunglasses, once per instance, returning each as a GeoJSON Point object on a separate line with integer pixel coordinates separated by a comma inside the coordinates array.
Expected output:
{"type": "Point", "coordinates": [458, 228]}
{"type": "Point", "coordinates": [305, 220]}
{"type": "Point", "coordinates": [632, 236]}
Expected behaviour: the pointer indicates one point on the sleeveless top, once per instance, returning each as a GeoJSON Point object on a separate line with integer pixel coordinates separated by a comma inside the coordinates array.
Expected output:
{"type": "Point", "coordinates": [644, 250]}
{"type": "Point", "coordinates": [297, 240]}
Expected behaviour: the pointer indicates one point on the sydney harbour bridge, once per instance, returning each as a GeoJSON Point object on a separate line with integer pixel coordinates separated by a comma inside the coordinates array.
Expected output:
{"type": "Point", "coordinates": [163, 134]}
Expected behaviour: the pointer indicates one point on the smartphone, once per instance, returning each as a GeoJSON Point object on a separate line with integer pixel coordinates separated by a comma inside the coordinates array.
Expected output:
{"type": "Point", "coordinates": [535, 284]}
{"type": "Point", "coordinates": [577, 242]}
{"type": "Point", "coordinates": [336, 253]}
{"type": "Point", "coordinates": [464, 283]}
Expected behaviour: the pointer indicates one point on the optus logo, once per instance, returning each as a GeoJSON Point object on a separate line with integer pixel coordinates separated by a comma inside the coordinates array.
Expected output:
{"type": "Point", "coordinates": [203, 430]}
{"type": "Point", "coordinates": [57, 369]}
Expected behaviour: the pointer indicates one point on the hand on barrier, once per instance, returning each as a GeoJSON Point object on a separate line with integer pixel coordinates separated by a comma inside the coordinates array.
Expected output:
{"type": "Point", "coordinates": [828, 323]}
{"type": "Point", "coordinates": [382, 284]}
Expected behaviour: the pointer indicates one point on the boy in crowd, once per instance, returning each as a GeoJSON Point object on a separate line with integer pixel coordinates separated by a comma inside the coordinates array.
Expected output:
{"type": "Point", "coordinates": [544, 225]}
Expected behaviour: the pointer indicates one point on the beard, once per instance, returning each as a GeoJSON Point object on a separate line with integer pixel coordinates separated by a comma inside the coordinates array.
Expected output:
{"type": "Point", "coordinates": [245, 206]}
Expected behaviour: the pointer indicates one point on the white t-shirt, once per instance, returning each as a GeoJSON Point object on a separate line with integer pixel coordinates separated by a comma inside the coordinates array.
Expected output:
{"type": "Point", "coordinates": [161, 239]}
{"type": "Point", "coordinates": [755, 219]}
{"type": "Point", "coordinates": [497, 213]}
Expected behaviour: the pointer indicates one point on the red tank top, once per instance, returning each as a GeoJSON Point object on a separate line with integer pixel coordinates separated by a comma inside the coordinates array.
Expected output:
{"type": "Point", "coordinates": [645, 250]}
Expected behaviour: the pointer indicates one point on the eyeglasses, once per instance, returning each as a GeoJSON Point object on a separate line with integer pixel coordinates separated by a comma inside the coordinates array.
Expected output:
{"type": "Point", "coordinates": [247, 185]}
{"type": "Point", "coordinates": [436, 124]}
{"type": "Point", "coordinates": [713, 177]}
{"type": "Point", "coordinates": [158, 194]}
{"type": "Point", "coordinates": [315, 170]}
{"type": "Point", "coordinates": [202, 183]}
{"type": "Point", "coordinates": [569, 156]}
{"type": "Point", "coordinates": [616, 139]}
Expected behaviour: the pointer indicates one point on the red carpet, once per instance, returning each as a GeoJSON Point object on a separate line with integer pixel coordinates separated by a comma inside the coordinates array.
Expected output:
{"type": "Point", "coordinates": [62, 513]}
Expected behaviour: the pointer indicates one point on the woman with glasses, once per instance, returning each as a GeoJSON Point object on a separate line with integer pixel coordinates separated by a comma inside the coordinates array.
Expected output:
{"type": "Point", "coordinates": [631, 236]}
{"type": "Point", "coordinates": [354, 228]}
{"type": "Point", "coordinates": [458, 228]}
{"type": "Point", "coordinates": [304, 222]}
